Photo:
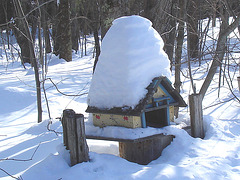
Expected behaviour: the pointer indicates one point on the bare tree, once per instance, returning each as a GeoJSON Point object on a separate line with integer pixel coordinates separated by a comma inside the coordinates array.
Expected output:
{"type": "Point", "coordinates": [25, 30]}
{"type": "Point", "coordinates": [197, 98]}
{"type": "Point", "coordinates": [178, 48]}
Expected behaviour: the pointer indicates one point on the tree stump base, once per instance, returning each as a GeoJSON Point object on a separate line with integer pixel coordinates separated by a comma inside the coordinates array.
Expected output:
{"type": "Point", "coordinates": [196, 116]}
{"type": "Point", "coordinates": [74, 137]}
{"type": "Point", "coordinates": [144, 150]}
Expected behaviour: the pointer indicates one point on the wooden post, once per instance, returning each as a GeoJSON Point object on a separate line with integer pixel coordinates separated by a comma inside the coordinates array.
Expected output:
{"type": "Point", "coordinates": [74, 136]}
{"type": "Point", "coordinates": [81, 139]}
{"type": "Point", "coordinates": [67, 113]}
{"type": "Point", "coordinates": [196, 115]}
{"type": "Point", "coordinates": [146, 149]}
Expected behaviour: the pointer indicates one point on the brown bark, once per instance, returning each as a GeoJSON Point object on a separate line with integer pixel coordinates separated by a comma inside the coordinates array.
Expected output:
{"type": "Point", "coordinates": [75, 26]}
{"type": "Point", "coordinates": [178, 50]}
{"type": "Point", "coordinates": [161, 14]}
{"type": "Point", "coordinates": [192, 29]}
{"type": "Point", "coordinates": [64, 31]}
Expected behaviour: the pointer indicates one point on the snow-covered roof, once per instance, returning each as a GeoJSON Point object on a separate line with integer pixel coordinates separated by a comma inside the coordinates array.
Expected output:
{"type": "Point", "coordinates": [175, 100]}
{"type": "Point", "coordinates": [131, 57]}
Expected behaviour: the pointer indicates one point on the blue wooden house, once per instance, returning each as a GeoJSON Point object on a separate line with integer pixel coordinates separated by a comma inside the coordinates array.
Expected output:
{"type": "Point", "coordinates": [156, 109]}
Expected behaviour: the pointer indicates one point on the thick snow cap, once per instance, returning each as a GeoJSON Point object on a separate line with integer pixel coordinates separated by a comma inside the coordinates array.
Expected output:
{"type": "Point", "coordinates": [131, 56]}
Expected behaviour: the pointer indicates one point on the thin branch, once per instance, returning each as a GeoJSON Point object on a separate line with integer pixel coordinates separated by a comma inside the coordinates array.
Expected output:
{"type": "Point", "coordinates": [51, 130]}
{"type": "Point", "coordinates": [229, 86]}
{"type": "Point", "coordinates": [62, 92]}
{"type": "Point", "coordinates": [20, 178]}
{"type": "Point", "coordinates": [25, 83]}
{"type": "Point", "coordinates": [4, 24]}
{"type": "Point", "coordinates": [13, 159]}
{"type": "Point", "coordinates": [221, 102]}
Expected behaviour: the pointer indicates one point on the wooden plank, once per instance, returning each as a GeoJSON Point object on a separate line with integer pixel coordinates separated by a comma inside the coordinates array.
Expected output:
{"type": "Point", "coordinates": [107, 138]}
{"type": "Point", "coordinates": [103, 120]}
{"type": "Point", "coordinates": [146, 150]}
{"type": "Point", "coordinates": [168, 113]}
{"type": "Point", "coordinates": [196, 116]}
{"type": "Point", "coordinates": [171, 113]}
{"type": "Point", "coordinates": [82, 147]}
{"type": "Point", "coordinates": [161, 99]}
{"type": "Point", "coordinates": [123, 140]}
{"type": "Point", "coordinates": [159, 107]}
{"type": "Point", "coordinates": [67, 113]}
{"type": "Point", "coordinates": [143, 120]}
{"type": "Point", "coordinates": [74, 136]}
{"type": "Point", "coordinates": [71, 135]}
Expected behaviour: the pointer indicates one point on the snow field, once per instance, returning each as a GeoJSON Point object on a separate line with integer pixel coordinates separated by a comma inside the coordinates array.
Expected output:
{"type": "Point", "coordinates": [217, 156]}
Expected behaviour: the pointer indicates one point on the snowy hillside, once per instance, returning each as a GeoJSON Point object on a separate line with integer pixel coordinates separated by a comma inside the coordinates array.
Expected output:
{"type": "Point", "coordinates": [30, 151]}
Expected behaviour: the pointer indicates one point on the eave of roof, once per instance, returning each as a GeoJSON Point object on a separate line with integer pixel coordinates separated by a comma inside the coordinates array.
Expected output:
{"type": "Point", "coordinates": [126, 110]}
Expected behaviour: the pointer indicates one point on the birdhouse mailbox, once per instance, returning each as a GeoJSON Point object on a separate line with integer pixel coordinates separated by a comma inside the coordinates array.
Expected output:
{"type": "Point", "coordinates": [130, 85]}
{"type": "Point", "coordinates": [156, 109]}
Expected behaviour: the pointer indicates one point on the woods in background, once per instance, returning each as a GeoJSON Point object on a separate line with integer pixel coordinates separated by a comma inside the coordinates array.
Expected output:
{"type": "Point", "coordinates": [66, 24]}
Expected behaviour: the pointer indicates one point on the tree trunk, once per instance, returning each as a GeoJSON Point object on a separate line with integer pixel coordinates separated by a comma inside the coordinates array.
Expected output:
{"type": "Point", "coordinates": [64, 31]}
{"type": "Point", "coordinates": [160, 14]}
{"type": "Point", "coordinates": [75, 34]}
{"type": "Point", "coordinates": [178, 51]}
{"type": "Point", "coordinates": [75, 30]}
{"type": "Point", "coordinates": [192, 29]}
{"type": "Point", "coordinates": [46, 33]}
{"type": "Point", "coordinates": [22, 42]}
{"type": "Point", "coordinates": [19, 31]}
{"type": "Point", "coordinates": [97, 47]}
{"type": "Point", "coordinates": [44, 25]}
{"type": "Point", "coordinates": [169, 46]}
{"type": "Point", "coordinates": [55, 22]}
{"type": "Point", "coordinates": [33, 60]}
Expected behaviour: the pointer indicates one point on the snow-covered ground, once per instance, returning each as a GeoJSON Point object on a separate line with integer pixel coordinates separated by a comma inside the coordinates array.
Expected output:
{"type": "Point", "coordinates": [30, 151]}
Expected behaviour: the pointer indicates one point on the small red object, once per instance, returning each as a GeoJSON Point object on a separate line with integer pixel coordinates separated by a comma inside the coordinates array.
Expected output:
{"type": "Point", "coordinates": [97, 116]}
{"type": "Point", "coordinates": [125, 118]}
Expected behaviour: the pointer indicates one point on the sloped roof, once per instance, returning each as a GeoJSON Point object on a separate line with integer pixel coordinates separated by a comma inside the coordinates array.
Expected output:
{"type": "Point", "coordinates": [126, 110]}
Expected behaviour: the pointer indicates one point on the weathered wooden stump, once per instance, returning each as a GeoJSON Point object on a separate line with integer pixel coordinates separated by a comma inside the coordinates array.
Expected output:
{"type": "Point", "coordinates": [196, 116]}
{"type": "Point", "coordinates": [146, 149]}
{"type": "Point", "coordinates": [74, 136]}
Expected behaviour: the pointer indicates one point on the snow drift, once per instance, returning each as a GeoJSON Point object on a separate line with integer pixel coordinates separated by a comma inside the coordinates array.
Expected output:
{"type": "Point", "coordinates": [131, 56]}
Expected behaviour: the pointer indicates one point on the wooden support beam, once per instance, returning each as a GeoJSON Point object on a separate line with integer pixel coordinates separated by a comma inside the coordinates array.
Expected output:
{"type": "Point", "coordinates": [159, 107]}
{"type": "Point", "coordinates": [196, 116]}
{"type": "Point", "coordinates": [74, 136]}
{"type": "Point", "coordinates": [82, 147]}
{"type": "Point", "coordinates": [168, 113]}
{"type": "Point", "coordinates": [143, 120]}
